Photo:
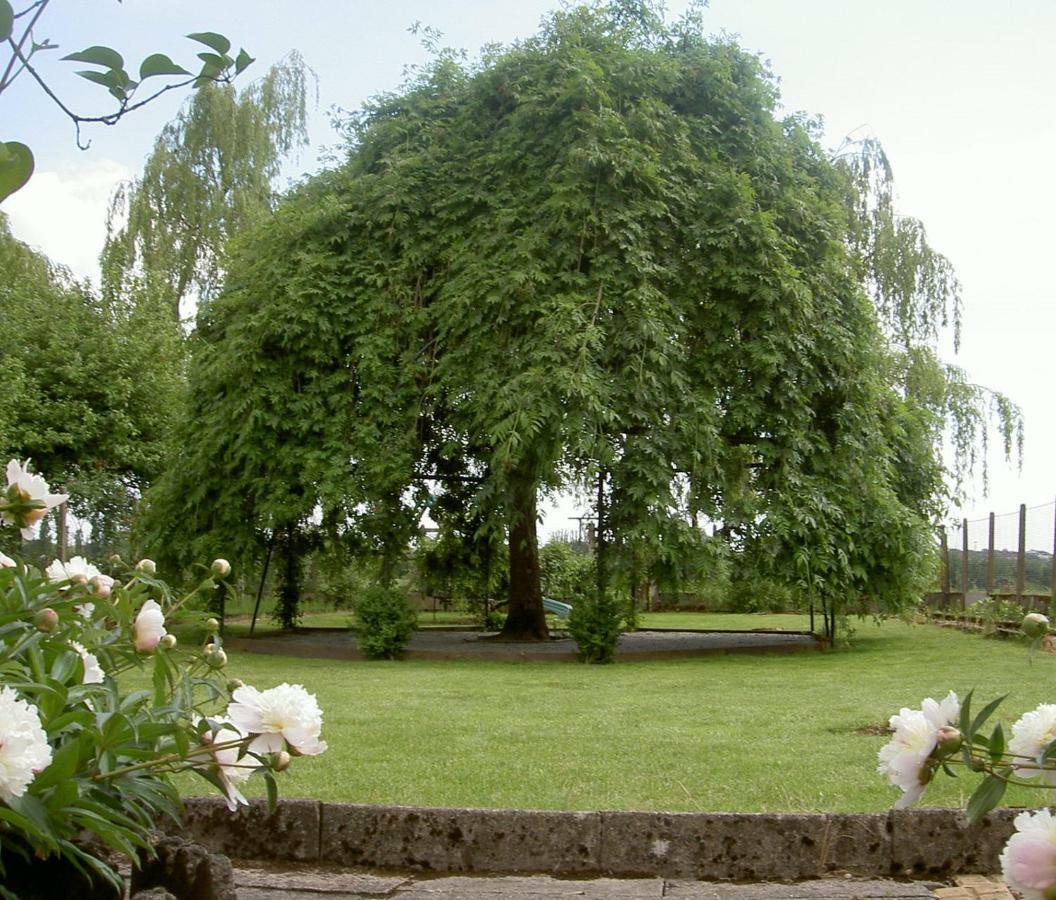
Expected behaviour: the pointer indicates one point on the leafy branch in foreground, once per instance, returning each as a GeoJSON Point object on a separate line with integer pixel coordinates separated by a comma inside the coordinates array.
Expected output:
{"type": "Point", "coordinates": [18, 32]}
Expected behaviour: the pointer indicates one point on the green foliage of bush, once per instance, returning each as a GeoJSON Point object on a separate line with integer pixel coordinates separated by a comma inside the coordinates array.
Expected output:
{"type": "Point", "coordinates": [384, 622]}
{"type": "Point", "coordinates": [596, 625]}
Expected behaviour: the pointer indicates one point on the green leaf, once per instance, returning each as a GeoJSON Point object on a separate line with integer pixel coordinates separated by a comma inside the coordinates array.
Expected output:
{"type": "Point", "coordinates": [16, 166]}
{"type": "Point", "coordinates": [273, 791]}
{"type": "Point", "coordinates": [7, 20]}
{"type": "Point", "coordinates": [218, 62]}
{"type": "Point", "coordinates": [985, 712]}
{"type": "Point", "coordinates": [243, 62]}
{"type": "Point", "coordinates": [159, 64]}
{"type": "Point", "coordinates": [211, 39]}
{"type": "Point", "coordinates": [106, 57]}
{"type": "Point", "coordinates": [966, 716]}
{"type": "Point", "coordinates": [997, 744]}
{"type": "Point", "coordinates": [986, 797]}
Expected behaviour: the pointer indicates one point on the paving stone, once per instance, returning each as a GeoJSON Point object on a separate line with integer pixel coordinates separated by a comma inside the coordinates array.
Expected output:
{"type": "Point", "coordinates": [819, 889]}
{"type": "Point", "coordinates": [975, 887]}
{"type": "Point", "coordinates": [534, 888]}
{"type": "Point", "coordinates": [308, 878]}
{"type": "Point", "coordinates": [941, 842]}
{"type": "Point", "coordinates": [460, 840]}
{"type": "Point", "coordinates": [290, 833]}
{"type": "Point", "coordinates": [721, 846]}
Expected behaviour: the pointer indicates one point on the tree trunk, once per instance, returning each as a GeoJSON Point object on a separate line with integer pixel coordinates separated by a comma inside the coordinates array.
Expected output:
{"type": "Point", "coordinates": [525, 620]}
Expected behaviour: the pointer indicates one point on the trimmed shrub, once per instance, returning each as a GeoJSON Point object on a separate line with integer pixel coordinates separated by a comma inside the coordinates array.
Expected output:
{"type": "Point", "coordinates": [596, 625]}
{"type": "Point", "coordinates": [384, 622]}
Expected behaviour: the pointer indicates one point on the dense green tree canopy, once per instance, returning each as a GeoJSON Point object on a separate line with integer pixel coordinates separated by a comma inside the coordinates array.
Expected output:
{"type": "Point", "coordinates": [596, 258]}
{"type": "Point", "coordinates": [90, 387]}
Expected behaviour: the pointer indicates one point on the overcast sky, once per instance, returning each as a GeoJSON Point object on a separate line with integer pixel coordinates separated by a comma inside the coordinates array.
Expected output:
{"type": "Point", "coordinates": [960, 94]}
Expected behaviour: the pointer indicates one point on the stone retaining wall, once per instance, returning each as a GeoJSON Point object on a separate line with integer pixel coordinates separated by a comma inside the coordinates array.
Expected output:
{"type": "Point", "coordinates": [706, 846]}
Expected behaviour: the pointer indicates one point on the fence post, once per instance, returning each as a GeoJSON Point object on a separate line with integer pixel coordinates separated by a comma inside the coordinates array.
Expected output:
{"type": "Point", "coordinates": [964, 565]}
{"type": "Point", "coordinates": [945, 569]}
{"type": "Point", "coordinates": [990, 561]}
{"type": "Point", "coordinates": [1052, 586]}
{"type": "Point", "coordinates": [1021, 556]}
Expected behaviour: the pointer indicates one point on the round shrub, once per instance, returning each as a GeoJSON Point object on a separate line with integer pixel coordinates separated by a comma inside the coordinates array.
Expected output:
{"type": "Point", "coordinates": [384, 622]}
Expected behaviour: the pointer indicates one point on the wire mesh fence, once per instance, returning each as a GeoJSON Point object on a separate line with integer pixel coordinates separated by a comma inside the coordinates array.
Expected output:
{"type": "Point", "coordinates": [1004, 556]}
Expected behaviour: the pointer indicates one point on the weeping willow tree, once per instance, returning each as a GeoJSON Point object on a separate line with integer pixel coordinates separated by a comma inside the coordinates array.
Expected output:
{"type": "Point", "coordinates": [210, 175]}
{"type": "Point", "coordinates": [595, 259]}
{"type": "Point", "coordinates": [917, 296]}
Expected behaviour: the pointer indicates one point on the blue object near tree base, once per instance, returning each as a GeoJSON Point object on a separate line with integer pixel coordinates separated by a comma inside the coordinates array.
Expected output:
{"type": "Point", "coordinates": [559, 609]}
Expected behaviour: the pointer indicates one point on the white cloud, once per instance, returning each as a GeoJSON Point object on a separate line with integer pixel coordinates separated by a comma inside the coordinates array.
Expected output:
{"type": "Point", "coordinates": [62, 213]}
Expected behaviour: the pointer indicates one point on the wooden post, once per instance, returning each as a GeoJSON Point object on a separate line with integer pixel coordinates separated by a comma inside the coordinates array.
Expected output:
{"type": "Point", "coordinates": [1021, 556]}
{"type": "Point", "coordinates": [990, 560]}
{"type": "Point", "coordinates": [1052, 586]}
{"type": "Point", "coordinates": [61, 532]}
{"type": "Point", "coordinates": [964, 564]}
{"type": "Point", "coordinates": [945, 570]}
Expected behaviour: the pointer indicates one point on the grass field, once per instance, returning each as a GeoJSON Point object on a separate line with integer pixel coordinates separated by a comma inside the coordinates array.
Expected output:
{"type": "Point", "coordinates": [735, 733]}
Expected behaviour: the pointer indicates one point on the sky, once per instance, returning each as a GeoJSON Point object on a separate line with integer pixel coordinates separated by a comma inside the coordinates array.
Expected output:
{"type": "Point", "coordinates": [959, 94]}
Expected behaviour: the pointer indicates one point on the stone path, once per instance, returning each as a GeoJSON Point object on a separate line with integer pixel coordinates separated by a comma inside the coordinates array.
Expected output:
{"type": "Point", "coordinates": [306, 883]}
{"type": "Point", "coordinates": [442, 644]}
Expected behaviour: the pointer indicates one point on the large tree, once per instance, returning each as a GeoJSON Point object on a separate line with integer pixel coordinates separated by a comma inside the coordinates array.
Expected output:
{"type": "Point", "coordinates": [596, 259]}
{"type": "Point", "coordinates": [91, 387]}
{"type": "Point", "coordinates": [211, 174]}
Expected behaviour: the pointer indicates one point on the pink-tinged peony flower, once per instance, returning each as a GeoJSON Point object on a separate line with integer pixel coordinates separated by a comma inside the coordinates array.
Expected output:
{"type": "Point", "coordinates": [280, 717]}
{"type": "Point", "coordinates": [24, 749]}
{"type": "Point", "coordinates": [6, 562]}
{"type": "Point", "coordinates": [27, 499]}
{"type": "Point", "coordinates": [93, 672]}
{"type": "Point", "coordinates": [1028, 862]}
{"type": "Point", "coordinates": [102, 586]}
{"type": "Point", "coordinates": [232, 765]}
{"type": "Point", "coordinates": [77, 569]}
{"type": "Point", "coordinates": [149, 627]}
{"type": "Point", "coordinates": [904, 761]}
{"type": "Point", "coordinates": [1031, 735]}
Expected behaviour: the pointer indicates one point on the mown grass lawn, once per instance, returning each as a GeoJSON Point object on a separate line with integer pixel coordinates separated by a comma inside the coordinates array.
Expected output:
{"type": "Point", "coordinates": [718, 733]}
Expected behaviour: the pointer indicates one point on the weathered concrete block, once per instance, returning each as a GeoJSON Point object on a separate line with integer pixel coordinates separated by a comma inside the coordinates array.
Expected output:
{"type": "Point", "coordinates": [858, 843]}
{"type": "Point", "coordinates": [460, 840]}
{"type": "Point", "coordinates": [941, 842]}
{"type": "Point", "coordinates": [715, 846]}
{"type": "Point", "coordinates": [291, 832]}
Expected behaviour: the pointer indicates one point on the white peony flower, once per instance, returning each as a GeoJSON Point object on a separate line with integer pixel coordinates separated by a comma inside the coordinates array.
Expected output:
{"type": "Point", "coordinates": [149, 627]}
{"type": "Point", "coordinates": [6, 562]}
{"type": "Point", "coordinates": [1031, 735]}
{"type": "Point", "coordinates": [24, 748]}
{"type": "Point", "coordinates": [1028, 862]}
{"type": "Point", "coordinates": [904, 760]}
{"type": "Point", "coordinates": [281, 716]}
{"type": "Point", "coordinates": [77, 569]}
{"type": "Point", "coordinates": [84, 610]}
{"type": "Point", "coordinates": [93, 672]}
{"type": "Point", "coordinates": [24, 487]}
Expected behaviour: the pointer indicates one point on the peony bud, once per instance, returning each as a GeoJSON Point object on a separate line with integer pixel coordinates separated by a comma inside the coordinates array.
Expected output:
{"type": "Point", "coordinates": [212, 625]}
{"type": "Point", "coordinates": [46, 619]}
{"type": "Point", "coordinates": [146, 566]}
{"type": "Point", "coordinates": [1034, 625]}
{"type": "Point", "coordinates": [78, 578]}
{"type": "Point", "coordinates": [114, 558]}
{"type": "Point", "coordinates": [102, 585]}
{"type": "Point", "coordinates": [221, 568]}
{"type": "Point", "coordinates": [948, 740]}
{"type": "Point", "coordinates": [233, 684]}
{"type": "Point", "coordinates": [280, 762]}
{"type": "Point", "coordinates": [217, 659]}
{"type": "Point", "coordinates": [167, 642]}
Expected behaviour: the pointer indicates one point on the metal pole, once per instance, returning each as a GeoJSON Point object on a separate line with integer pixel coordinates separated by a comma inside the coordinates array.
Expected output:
{"type": "Point", "coordinates": [945, 569]}
{"type": "Point", "coordinates": [964, 564]}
